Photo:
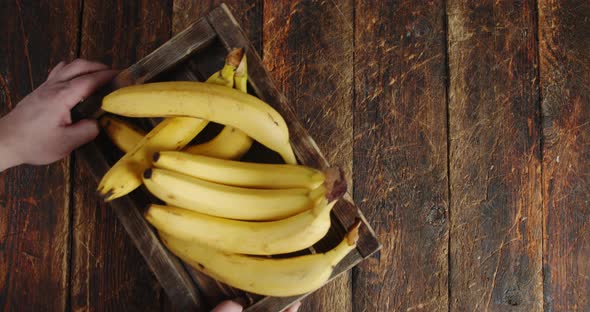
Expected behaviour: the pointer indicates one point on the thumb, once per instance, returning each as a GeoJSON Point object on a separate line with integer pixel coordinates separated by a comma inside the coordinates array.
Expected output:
{"type": "Point", "coordinates": [228, 306]}
{"type": "Point", "coordinates": [80, 133]}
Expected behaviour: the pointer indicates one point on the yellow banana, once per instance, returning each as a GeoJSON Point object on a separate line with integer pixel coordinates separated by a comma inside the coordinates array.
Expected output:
{"type": "Point", "coordinates": [237, 173]}
{"type": "Point", "coordinates": [226, 145]}
{"type": "Point", "coordinates": [230, 202]}
{"type": "Point", "coordinates": [171, 134]}
{"type": "Point", "coordinates": [211, 102]}
{"type": "Point", "coordinates": [248, 237]}
{"type": "Point", "coordinates": [123, 135]}
{"type": "Point", "coordinates": [230, 143]}
{"type": "Point", "coordinates": [265, 276]}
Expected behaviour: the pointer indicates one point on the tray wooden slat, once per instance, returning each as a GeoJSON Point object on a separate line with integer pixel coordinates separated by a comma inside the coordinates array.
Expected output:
{"type": "Point", "coordinates": [191, 55]}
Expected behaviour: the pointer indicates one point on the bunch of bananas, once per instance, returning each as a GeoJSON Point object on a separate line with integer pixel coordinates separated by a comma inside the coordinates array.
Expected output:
{"type": "Point", "coordinates": [222, 216]}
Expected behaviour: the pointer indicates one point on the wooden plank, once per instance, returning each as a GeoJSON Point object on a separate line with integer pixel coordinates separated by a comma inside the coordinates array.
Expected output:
{"type": "Point", "coordinates": [34, 201]}
{"type": "Point", "coordinates": [304, 146]}
{"type": "Point", "coordinates": [564, 78]}
{"type": "Point", "coordinates": [400, 154]}
{"type": "Point", "coordinates": [308, 51]}
{"type": "Point", "coordinates": [250, 15]}
{"type": "Point", "coordinates": [107, 270]}
{"type": "Point", "coordinates": [495, 167]}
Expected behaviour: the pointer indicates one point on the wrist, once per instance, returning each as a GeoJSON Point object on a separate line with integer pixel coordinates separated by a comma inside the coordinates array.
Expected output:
{"type": "Point", "coordinates": [9, 156]}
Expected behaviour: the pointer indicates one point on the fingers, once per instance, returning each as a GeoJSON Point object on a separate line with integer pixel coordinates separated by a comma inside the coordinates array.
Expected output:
{"type": "Point", "coordinates": [77, 68]}
{"type": "Point", "coordinates": [80, 133]}
{"type": "Point", "coordinates": [55, 70]}
{"type": "Point", "coordinates": [294, 307]}
{"type": "Point", "coordinates": [83, 86]}
{"type": "Point", "coordinates": [228, 306]}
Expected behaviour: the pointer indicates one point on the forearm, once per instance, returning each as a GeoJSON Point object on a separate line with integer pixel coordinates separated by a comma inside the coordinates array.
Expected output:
{"type": "Point", "coordinates": [8, 155]}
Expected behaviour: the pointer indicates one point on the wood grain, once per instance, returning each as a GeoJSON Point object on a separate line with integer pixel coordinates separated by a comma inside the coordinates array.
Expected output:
{"type": "Point", "coordinates": [565, 76]}
{"type": "Point", "coordinates": [34, 201]}
{"type": "Point", "coordinates": [308, 52]}
{"type": "Point", "coordinates": [107, 270]}
{"type": "Point", "coordinates": [495, 167]}
{"type": "Point", "coordinates": [400, 154]}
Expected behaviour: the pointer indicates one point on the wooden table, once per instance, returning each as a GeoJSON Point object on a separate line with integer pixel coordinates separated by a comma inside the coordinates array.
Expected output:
{"type": "Point", "coordinates": [465, 126]}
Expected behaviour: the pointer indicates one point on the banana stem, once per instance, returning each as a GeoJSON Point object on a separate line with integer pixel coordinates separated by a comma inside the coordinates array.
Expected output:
{"type": "Point", "coordinates": [335, 183]}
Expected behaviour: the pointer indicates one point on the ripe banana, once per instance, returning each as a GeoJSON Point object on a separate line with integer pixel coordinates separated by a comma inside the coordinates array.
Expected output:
{"type": "Point", "coordinates": [248, 237]}
{"type": "Point", "coordinates": [226, 145]}
{"type": "Point", "coordinates": [123, 135]}
{"type": "Point", "coordinates": [237, 173]}
{"type": "Point", "coordinates": [211, 102]}
{"type": "Point", "coordinates": [264, 276]}
{"type": "Point", "coordinates": [230, 143]}
{"type": "Point", "coordinates": [171, 134]}
{"type": "Point", "coordinates": [230, 202]}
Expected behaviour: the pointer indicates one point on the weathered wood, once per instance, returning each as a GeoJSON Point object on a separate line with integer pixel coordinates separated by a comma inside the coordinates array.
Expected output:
{"type": "Point", "coordinates": [564, 78]}
{"type": "Point", "coordinates": [107, 270]}
{"type": "Point", "coordinates": [309, 54]}
{"type": "Point", "coordinates": [400, 154]}
{"type": "Point", "coordinates": [248, 13]}
{"type": "Point", "coordinates": [495, 166]}
{"type": "Point", "coordinates": [34, 201]}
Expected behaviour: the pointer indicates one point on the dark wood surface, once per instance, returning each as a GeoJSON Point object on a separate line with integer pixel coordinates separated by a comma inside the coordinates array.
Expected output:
{"type": "Point", "coordinates": [564, 40]}
{"type": "Point", "coordinates": [495, 157]}
{"type": "Point", "coordinates": [465, 127]}
{"type": "Point", "coordinates": [400, 154]}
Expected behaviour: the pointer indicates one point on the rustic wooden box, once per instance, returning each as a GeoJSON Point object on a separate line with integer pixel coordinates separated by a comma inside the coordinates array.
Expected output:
{"type": "Point", "coordinates": [194, 54]}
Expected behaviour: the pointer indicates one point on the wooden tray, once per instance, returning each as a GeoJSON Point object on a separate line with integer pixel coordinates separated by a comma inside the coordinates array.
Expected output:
{"type": "Point", "coordinates": [193, 54]}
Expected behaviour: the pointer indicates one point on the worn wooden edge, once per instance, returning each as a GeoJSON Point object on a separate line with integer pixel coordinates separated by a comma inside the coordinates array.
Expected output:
{"type": "Point", "coordinates": [281, 303]}
{"type": "Point", "coordinates": [232, 36]}
{"type": "Point", "coordinates": [169, 271]}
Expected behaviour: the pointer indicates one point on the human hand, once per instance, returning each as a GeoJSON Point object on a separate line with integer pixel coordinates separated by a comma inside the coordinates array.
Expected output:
{"type": "Point", "coordinates": [39, 129]}
{"type": "Point", "coordinates": [233, 306]}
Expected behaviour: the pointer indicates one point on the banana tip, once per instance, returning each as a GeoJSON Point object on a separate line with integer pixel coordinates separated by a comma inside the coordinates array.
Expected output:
{"type": "Point", "coordinates": [156, 156]}
{"type": "Point", "coordinates": [353, 232]}
{"type": "Point", "coordinates": [148, 174]}
{"type": "Point", "coordinates": [106, 196]}
{"type": "Point", "coordinates": [335, 183]}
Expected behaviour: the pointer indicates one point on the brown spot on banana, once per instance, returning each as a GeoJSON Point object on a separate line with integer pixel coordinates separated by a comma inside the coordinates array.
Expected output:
{"type": "Point", "coordinates": [272, 119]}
